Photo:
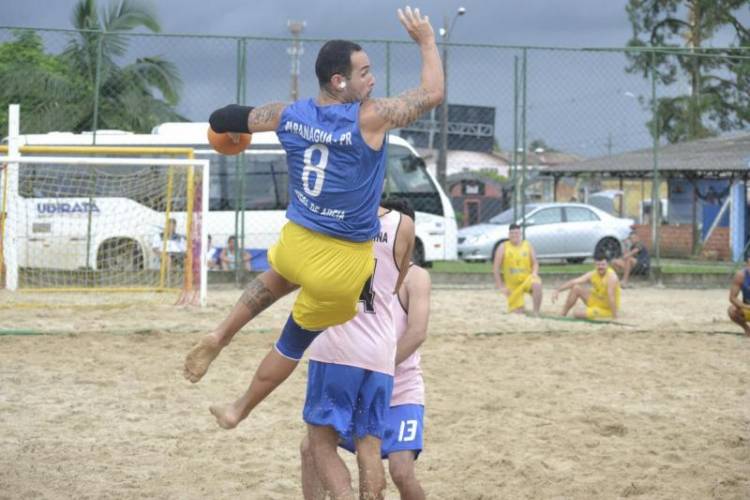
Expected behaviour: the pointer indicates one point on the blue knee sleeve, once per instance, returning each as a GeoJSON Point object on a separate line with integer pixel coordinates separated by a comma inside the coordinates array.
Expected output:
{"type": "Point", "coordinates": [294, 340]}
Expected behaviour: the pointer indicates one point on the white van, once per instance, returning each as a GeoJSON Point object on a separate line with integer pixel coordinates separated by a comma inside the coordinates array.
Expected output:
{"type": "Point", "coordinates": [246, 191]}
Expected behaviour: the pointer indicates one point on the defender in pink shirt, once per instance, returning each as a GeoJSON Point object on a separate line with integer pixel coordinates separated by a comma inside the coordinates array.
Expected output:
{"type": "Point", "coordinates": [403, 436]}
{"type": "Point", "coordinates": [350, 374]}
{"type": "Point", "coordinates": [404, 433]}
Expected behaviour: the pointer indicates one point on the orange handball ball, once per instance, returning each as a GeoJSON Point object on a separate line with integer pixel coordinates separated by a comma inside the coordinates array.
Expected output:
{"type": "Point", "coordinates": [223, 143]}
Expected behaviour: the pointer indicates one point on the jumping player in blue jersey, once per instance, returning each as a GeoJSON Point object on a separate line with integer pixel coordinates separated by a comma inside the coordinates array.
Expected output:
{"type": "Point", "coordinates": [336, 156]}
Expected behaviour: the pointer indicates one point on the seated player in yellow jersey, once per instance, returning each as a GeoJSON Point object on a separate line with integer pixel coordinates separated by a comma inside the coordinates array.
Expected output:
{"type": "Point", "coordinates": [739, 308]}
{"type": "Point", "coordinates": [516, 271]}
{"type": "Point", "coordinates": [602, 300]}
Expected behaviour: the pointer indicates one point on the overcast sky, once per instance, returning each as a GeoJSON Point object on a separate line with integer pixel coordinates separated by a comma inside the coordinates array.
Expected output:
{"type": "Point", "coordinates": [572, 23]}
{"type": "Point", "coordinates": [582, 102]}
{"type": "Point", "coordinates": [569, 23]}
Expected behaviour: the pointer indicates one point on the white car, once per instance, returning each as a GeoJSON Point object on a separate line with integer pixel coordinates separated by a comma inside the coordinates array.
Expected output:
{"type": "Point", "coordinates": [571, 231]}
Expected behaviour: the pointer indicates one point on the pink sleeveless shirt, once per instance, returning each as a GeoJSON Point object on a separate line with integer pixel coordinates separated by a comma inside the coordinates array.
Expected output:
{"type": "Point", "coordinates": [408, 385]}
{"type": "Point", "coordinates": [369, 340]}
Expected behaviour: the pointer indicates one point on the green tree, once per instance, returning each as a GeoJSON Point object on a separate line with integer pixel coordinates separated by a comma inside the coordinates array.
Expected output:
{"type": "Point", "coordinates": [719, 79]}
{"type": "Point", "coordinates": [49, 91]}
{"type": "Point", "coordinates": [539, 143]}
{"type": "Point", "coordinates": [58, 92]}
{"type": "Point", "coordinates": [133, 97]}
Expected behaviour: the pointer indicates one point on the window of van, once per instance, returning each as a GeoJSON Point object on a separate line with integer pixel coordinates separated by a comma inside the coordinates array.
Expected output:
{"type": "Point", "coordinates": [264, 186]}
{"type": "Point", "coordinates": [407, 178]}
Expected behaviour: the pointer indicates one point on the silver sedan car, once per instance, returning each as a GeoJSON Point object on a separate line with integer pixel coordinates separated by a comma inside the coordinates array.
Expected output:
{"type": "Point", "coordinates": [571, 231]}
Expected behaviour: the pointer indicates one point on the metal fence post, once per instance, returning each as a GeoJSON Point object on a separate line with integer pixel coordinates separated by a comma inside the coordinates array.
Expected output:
{"type": "Point", "coordinates": [97, 85]}
{"type": "Point", "coordinates": [442, 159]}
{"type": "Point", "coordinates": [94, 126]}
{"type": "Point", "coordinates": [239, 170]}
{"type": "Point", "coordinates": [388, 69]}
{"type": "Point", "coordinates": [523, 142]}
{"type": "Point", "coordinates": [514, 156]}
{"type": "Point", "coordinates": [241, 100]}
{"type": "Point", "coordinates": [655, 197]}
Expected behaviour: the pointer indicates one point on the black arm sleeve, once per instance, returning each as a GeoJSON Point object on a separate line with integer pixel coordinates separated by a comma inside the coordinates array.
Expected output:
{"type": "Point", "coordinates": [232, 118]}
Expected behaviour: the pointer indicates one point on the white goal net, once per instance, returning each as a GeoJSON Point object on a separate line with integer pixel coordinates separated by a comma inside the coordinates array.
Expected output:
{"type": "Point", "coordinates": [102, 223]}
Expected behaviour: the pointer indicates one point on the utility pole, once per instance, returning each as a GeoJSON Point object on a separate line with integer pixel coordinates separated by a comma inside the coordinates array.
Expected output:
{"type": "Point", "coordinates": [442, 159]}
{"type": "Point", "coordinates": [295, 52]}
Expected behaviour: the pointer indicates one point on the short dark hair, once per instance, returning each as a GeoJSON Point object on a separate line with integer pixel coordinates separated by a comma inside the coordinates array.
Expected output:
{"type": "Point", "coordinates": [601, 255]}
{"type": "Point", "coordinates": [514, 226]}
{"type": "Point", "coordinates": [399, 205]}
{"type": "Point", "coordinates": [335, 57]}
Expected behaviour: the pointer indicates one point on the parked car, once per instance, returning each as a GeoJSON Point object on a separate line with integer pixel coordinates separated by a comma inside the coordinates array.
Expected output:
{"type": "Point", "coordinates": [571, 231]}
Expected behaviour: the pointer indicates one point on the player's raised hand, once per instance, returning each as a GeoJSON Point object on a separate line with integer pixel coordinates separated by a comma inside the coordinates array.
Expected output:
{"type": "Point", "coordinates": [418, 26]}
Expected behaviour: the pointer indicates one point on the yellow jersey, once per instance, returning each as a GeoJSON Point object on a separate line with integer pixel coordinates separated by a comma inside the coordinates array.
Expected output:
{"type": "Point", "coordinates": [599, 296]}
{"type": "Point", "coordinates": [516, 263]}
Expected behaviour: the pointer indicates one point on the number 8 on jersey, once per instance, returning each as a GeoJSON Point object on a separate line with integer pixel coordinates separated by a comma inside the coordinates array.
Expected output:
{"type": "Point", "coordinates": [319, 169]}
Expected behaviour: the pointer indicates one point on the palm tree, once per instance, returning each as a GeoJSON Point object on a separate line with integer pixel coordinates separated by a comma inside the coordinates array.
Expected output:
{"type": "Point", "coordinates": [134, 97]}
{"type": "Point", "coordinates": [49, 92]}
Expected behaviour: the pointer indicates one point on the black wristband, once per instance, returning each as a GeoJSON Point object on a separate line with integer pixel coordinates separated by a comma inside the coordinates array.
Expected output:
{"type": "Point", "coordinates": [231, 118]}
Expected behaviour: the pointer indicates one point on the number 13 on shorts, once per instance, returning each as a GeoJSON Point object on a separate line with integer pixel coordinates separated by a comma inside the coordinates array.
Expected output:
{"type": "Point", "coordinates": [407, 431]}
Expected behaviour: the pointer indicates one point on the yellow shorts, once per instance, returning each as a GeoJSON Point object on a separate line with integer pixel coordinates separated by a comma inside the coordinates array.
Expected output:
{"type": "Point", "coordinates": [595, 310]}
{"type": "Point", "coordinates": [746, 313]}
{"type": "Point", "coordinates": [330, 272]}
{"type": "Point", "coordinates": [516, 297]}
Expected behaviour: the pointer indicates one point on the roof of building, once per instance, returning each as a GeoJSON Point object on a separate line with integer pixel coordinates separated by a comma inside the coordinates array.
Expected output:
{"type": "Point", "coordinates": [715, 155]}
{"type": "Point", "coordinates": [545, 158]}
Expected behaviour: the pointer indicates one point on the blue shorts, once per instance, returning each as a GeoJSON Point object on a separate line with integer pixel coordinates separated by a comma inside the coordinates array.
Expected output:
{"type": "Point", "coordinates": [353, 401]}
{"type": "Point", "coordinates": [404, 431]}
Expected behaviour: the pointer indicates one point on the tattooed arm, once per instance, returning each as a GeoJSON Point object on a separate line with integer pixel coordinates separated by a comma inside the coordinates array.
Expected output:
{"type": "Point", "coordinates": [400, 111]}
{"type": "Point", "coordinates": [379, 115]}
{"type": "Point", "coordinates": [266, 118]}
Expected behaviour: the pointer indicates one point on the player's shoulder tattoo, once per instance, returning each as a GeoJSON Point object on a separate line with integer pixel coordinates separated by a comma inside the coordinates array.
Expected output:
{"type": "Point", "coordinates": [404, 109]}
{"type": "Point", "coordinates": [268, 113]}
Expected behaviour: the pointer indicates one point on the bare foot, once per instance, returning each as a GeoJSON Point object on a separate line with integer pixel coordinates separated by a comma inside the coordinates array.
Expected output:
{"type": "Point", "coordinates": [199, 357]}
{"type": "Point", "coordinates": [227, 416]}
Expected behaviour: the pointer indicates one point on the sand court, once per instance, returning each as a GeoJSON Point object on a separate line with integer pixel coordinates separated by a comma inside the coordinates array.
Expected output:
{"type": "Point", "coordinates": [657, 406]}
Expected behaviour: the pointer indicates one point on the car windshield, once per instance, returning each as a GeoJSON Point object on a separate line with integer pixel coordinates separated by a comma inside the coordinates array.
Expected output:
{"type": "Point", "coordinates": [506, 216]}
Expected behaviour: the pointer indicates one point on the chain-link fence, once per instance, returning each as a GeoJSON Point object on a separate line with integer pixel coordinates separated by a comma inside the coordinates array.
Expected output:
{"type": "Point", "coordinates": [520, 125]}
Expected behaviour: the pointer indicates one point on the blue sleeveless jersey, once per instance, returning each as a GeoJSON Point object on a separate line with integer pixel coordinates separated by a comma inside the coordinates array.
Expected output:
{"type": "Point", "coordinates": [335, 178]}
{"type": "Point", "coordinates": [746, 288]}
